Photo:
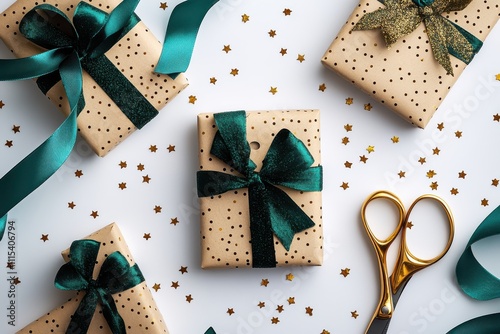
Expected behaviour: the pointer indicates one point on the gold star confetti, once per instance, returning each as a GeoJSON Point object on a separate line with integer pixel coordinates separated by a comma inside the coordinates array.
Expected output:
{"type": "Point", "coordinates": [345, 272]}
{"type": "Point", "coordinates": [322, 87]}
{"type": "Point", "coordinates": [363, 159]}
{"type": "Point", "coordinates": [354, 314]}
{"type": "Point", "coordinates": [454, 191]}
{"type": "Point", "coordinates": [496, 118]}
{"type": "Point", "coordinates": [245, 18]}
{"type": "Point", "coordinates": [431, 173]}
{"type": "Point", "coordinates": [440, 126]}
{"type": "Point", "coordinates": [183, 270]}
{"type": "Point", "coordinates": [497, 77]}
{"type": "Point", "coordinates": [435, 151]}
{"type": "Point", "coordinates": [122, 164]}
{"type": "Point", "coordinates": [171, 148]}
{"type": "Point", "coordinates": [230, 311]}
{"type": "Point", "coordinates": [156, 287]}
{"type": "Point", "coordinates": [174, 221]}
{"type": "Point", "coordinates": [324, 331]}
{"type": "Point", "coordinates": [264, 282]}
{"type": "Point", "coordinates": [348, 127]}
{"type": "Point", "coordinates": [409, 225]}
{"type": "Point", "coordinates": [370, 149]}
{"type": "Point", "coordinates": [147, 236]}
{"type": "Point", "coordinates": [347, 164]}
{"type": "Point", "coordinates": [11, 265]}
{"type": "Point", "coordinates": [140, 167]}
{"type": "Point", "coordinates": [192, 99]}
{"type": "Point", "coordinates": [291, 300]}
{"type": "Point", "coordinates": [234, 72]}
{"type": "Point", "coordinates": [16, 128]}
{"type": "Point", "coordinates": [275, 320]}
{"type": "Point", "coordinates": [122, 185]}
{"type": "Point", "coordinates": [272, 33]}
{"type": "Point", "coordinates": [157, 209]}
{"type": "Point", "coordinates": [226, 48]}
{"type": "Point", "coordinates": [213, 80]}
{"type": "Point", "coordinates": [146, 179]}
{"type": "Point", "coordinates": [368, 107]}
{"type": "Point", "coordinates": [434, 185]}
{"type": "Point", "coordinates": [289, 277]}
{"type": "Point", "coordinates": [163, 5]}
{"type": "Point", "coordinates": [287, 11]}
{"type": "Point", "coordinates": [1, 104]}
{"type": "Point", "coordinates": [458, 134]}
{"type": "Point", "coordinates": [349, 101]}
{"type": "Point", "coordinates": [78, 173]}
{"type": "Point", "coordinates": [495, 182]}
{"type": "Point", "coordinates": [283, 51]}
{"type": "Point", "coordinates": [71, 205]}
{"type": "Point", "coordinates": [344, 185]}
{"type": "Point", "coordinates": [45, 237]}
{"type": "Point", "coordinates": [261, 304]}
{"type": "Point", "coordinates": [462, 175]}
{"type": "Point", "coordinates": [189, 298]}
{"type": "Point", "coordinates": [153, 148]}
{"type": "Point", "coordinates": [395, 139]}
{"type": "Point", "coordinates": [280, 308]}
{"type": "Point", "coordinates": [345, 140]}
{"type": "Point", "coordinates": [273, 90]}
{"type": "Point", "coordinates": [422, 160]}
{"type": "Point", "coordinates": [94, 214]}
{"type": "Point", "coordinates": [484, 202]}
{"type": "Point", "coordinates": [309, 311]}
{"type": "Point", "coordinates": [301, 58]}
{"type": "Point", "coordinates": [175, 284]}
{"type": "Point", "coordinates": [9, 143]}
{"type": "Point", "coordinates": [401, 174]}
{"type": "Point", "coordinates": [17, 280]}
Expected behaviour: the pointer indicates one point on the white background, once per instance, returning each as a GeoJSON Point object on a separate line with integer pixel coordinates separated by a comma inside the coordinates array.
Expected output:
{"type": "Point", "coordinates": [431, 303]}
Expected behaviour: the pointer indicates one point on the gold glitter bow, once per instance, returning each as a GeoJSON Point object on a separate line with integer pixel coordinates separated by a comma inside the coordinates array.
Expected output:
{"type": "Point", "coordinates": [401, 17]}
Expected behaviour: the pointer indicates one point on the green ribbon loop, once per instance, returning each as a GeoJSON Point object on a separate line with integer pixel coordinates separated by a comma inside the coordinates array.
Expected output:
{"type": "Point", "coordinates": [180, 37]}
{"type": "Point", "coordinates": [115, 276]}
{"type": "Point", "coordinates": [70, 49]}
{"type": "Point", "coordinates": [476, 281]}
{"type": "Point", "coordinates": [401, 17]}
{"type": "Point", "coordinates": [287, 163]}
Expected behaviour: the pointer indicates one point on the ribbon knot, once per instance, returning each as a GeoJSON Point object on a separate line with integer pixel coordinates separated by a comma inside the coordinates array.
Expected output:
{"type": "Point", "coordinates": [287, 164]}
{"type": "Point", "coordinates": [426, 11]}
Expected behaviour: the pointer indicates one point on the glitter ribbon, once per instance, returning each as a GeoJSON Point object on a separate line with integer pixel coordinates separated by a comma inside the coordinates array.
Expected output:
{"type": "Point", "coordinates": [115, 276]}
{"type": "Point", "coordinates": [401, 17]}
{"type": "Point", "coordinates": [287, 163]}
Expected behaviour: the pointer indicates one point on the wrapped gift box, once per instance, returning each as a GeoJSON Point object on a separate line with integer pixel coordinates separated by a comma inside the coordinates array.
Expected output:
{"type": "Point", "coordinates": [136, 305]}
{"type": "Point", "coordinates": [405, 77]}
{"type": "Point", "coordinates": [225, 218]}
{"type": "Point", "coordinates": [101, 123]}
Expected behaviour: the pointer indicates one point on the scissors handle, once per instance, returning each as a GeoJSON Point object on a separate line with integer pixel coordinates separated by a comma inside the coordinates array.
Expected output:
{"type": "Point", "coordinates": [381, 246]}
{"type": "Point", "coordinates": [407, 264]}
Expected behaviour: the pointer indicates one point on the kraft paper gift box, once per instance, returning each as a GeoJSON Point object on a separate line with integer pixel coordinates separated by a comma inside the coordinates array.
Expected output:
{"type": "Point", "coordinates": [102, 123]}
{"type": "Point", "coordinates": [405, 77]}
{"type": "Point", "coordinates": [135, 305]}
{"type": "Point", "coordinates": [227, 235]}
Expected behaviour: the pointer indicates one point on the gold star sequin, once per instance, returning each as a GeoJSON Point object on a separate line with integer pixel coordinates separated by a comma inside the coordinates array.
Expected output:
{"type": "Point", "coordinates": [309, 311]}
{"type": "Point", "coordinates": [409, 225]}
{"type": "Point", "coordinates": [289, 277]}
{"type": "Point", "coordinates": [183, 270]}
{"type": "Point", "coordinates": [156, 287]}
{"type": "Point", "coordinates": [153, 148]}
{"type": "Point", "coordinates": [435, 151]}
{"type": "Point", "coordinates": [497, 77]}
{"type": "Point", "coordinates": [431, 173]}
{"type": "Point", "coordinates": [496, 118]}
{"type": "Point", "coordinates": [322, 87]}
{"type": "Point", "coordinates": [344, 185]}
{"type": "Point", "coordinates": [273, 90]}
{"type": "Point", "coordinates": [17, 280]}
{"type": "Point", "coordinates": [440, 126]}
{"type": "Point", "coordinates": [174, 221]}
{"type": "Point", "coordinates": [146, 179]}
{"type": "Point", "coordinates": [368, 107]}
{"type": "Point", "coordinates": [234, 72]}
{"type": "Point", "coordinates": [462, 175]}
{"type": "Point", "coordinates": [71, 205]}
{"type": "Point", "coordinates": [495, 182]}
{"type": "Point", "coordinates": [45, 237]}
{"type": "Point", "coordinates": [395, 139]}
{"type": "Point", "coordinates": [226, 48]}
{"type": "Point", "coordinates": [213, 80]}
{"type": "Point", "coordinates": [454, 191]}
{"type": "Point", "coordinates": [283, 51]}
{"type": "Point", "coordinates": [140, 167]}
{"type": "Point", "coordinates": [16, 128]}
{"type": "Point", "coordinates": [458, 134]}
{"type": "Point", "coordinates": [147, 236]}
{"type": "Point", "coordinates": [345, 140]}
{"type": "Point", "coordinates": [192, 99]}
{"type": "Point", "coordinates": [11, 265]}
{"type": "Point", "coordinates": [189, 298]}
{"type": "Point", "coordinates": [401, 174]}
{"type": "Point", "coordinates": [275, 320]}
{"type": "Point", "coordinates": [354, 314]}
{"type": "Point", "coordinates": [1, 104]}
{"type": "Point", "coordinates": [280, 308]}
{"type": "Point", "coordinates": [163, 5]}
{"type": "Point", "coordinates": [347, 164]}
{"type": "Point", "coordinates": [301, 58]}
{"type": "Point", "coordinates": [272, 33]}
{"type": "Point", "coordinates": [264, 282]}
{"type": "Point", "coordinates": [9, 143]}
{"type": "Point", "coordinates": [484, 202]}
{"type": "Point", "coordinates": [363, 159]}
{"type": "Point", "coordinates": [291, 300]}
{"type": "Point", "coordinates": [261, 304]}
{"type": "Point", "coordinates": [122, 164]}
{"type": "Point", "coordinates": [422, 160]}
{"type": "Point", "coordinates": [171, 148]}
{"type": "Point", "coordinates": [78, 173]}
{"type": "Point", "coordinates": [94, 214]}
{"type": "Point", "coordinates": [175, 284]}
{"type": "Point", "coordinates": [230, 311]}
{"type": "Point", "coordinates": [287, 11]}
{"type": "Point", "coordinates": [348, 127]}
{"type": "Point", "coordinates": [245, 18]}
{"type": "Point", "coordinates": [157, 209]}
{"type": "Point", "coordinates": [434, 185]}
{"type": "Point", "coordinates": [349, 101]}
{"type": "Point", "coordinates": [345, 272]}
{"type": "Point", "coordinates": [370, 149]}
{"type": "Point", "coordinates": [122, 185]}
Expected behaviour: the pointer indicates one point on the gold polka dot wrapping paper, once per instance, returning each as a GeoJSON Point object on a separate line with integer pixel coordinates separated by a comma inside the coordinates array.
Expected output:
{"type": "Point", "coordinates": [225, 218]}
{"type": "Point", "coordinates": [405, 77]}
{"type": "Point", "coordinates": [101, 123]}
{"type": "Point", "coordinates": [136, 305]}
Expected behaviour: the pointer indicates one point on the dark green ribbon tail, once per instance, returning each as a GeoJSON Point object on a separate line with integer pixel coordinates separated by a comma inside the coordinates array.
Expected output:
{"type": "Point", "coordinates": [476, 281]}
{"type": "Point", "coordinates": [115, 276]}
{"type": "Point", "coordinates": [180, 37]}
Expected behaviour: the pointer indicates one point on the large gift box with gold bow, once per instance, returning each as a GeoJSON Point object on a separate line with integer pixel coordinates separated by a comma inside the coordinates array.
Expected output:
{"type": "Point", "coordinates": [120, 88]}
{"type": "Point", "coordinates": [259, 184]}
{"type": "Point", "coordinates": [112, 293]}
{"type": "Point", "coordinates": [409, 53]}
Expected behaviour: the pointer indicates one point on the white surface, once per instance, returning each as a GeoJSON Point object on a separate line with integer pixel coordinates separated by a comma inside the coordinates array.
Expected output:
{"type": "Point", "coordinates": [431, 303]}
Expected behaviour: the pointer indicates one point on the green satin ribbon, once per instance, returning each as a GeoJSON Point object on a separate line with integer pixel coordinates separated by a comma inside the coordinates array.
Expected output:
{"type": "Point", "coordinates": [210, 331]}
{"type": "Point", "coordinates": [181, 35]}
{"type": "Point", "coordinates": [287, 164]}
{"type": "Point", "coordinates": [89, 39]}
{"type": "Point", "coordinates": [115, 276]}
{"type": "Point", "coordinates": [401, 17]}
{"type": "Point", "coordinates": [476, 281]}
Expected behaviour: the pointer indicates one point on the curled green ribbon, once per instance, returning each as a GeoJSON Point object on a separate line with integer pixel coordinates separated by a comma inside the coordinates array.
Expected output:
{"type": "Point", "coordinates": [476, 281]}
{"type": "Point", "coordinates": [287, 163]}
{"type": "Point", "coordinates": [115, 276]}
{"type": "Point", "coordinates": [401, 17]}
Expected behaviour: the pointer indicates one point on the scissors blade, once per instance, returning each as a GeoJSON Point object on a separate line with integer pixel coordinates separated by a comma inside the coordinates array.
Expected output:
{"type": "Point", "coordinates": [381, 326]}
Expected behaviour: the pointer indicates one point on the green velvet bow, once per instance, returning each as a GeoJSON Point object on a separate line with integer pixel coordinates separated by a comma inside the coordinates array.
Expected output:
{"type": "Point", "coordinates": [401, 17]}
{"type": "Point", "coordinates": [287, 164]}
{"type": "Point", "coordinates": [115, 276]}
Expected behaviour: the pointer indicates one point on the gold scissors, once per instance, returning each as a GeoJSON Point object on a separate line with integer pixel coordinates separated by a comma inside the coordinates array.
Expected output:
{"type": "Point", "coordinates": [406, 264]}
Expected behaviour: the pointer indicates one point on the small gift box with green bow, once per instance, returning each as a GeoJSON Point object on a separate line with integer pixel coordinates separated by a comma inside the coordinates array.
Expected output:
{"type": "Point", "coordinates": [259, 184]}
{"type": "Point", "coordinates": [409, 53]}
{"type": "Point", "coordinates": [111, 292]}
